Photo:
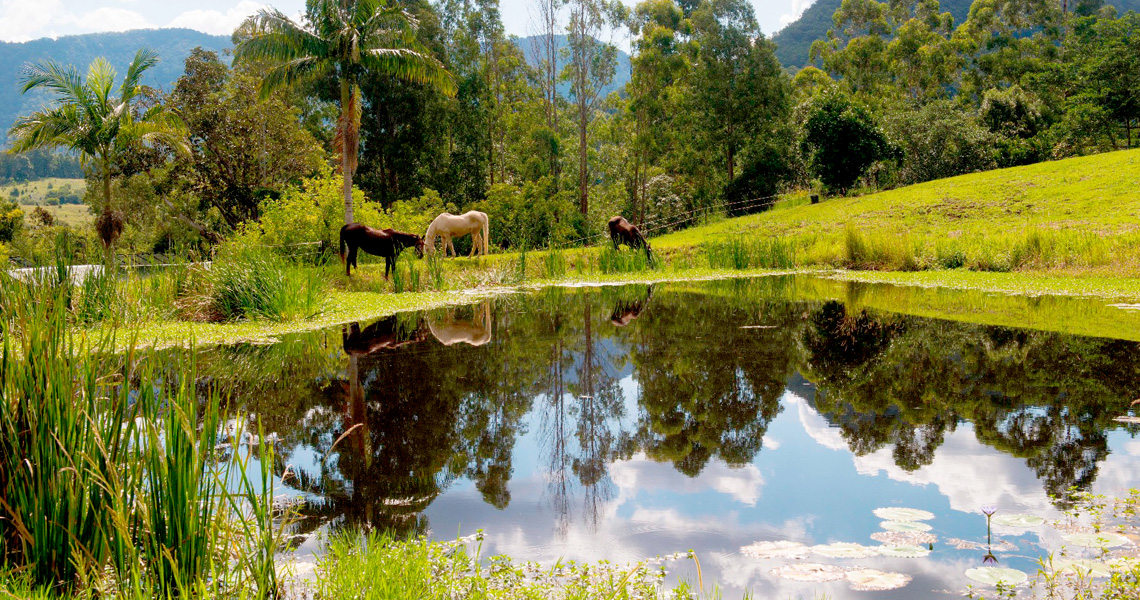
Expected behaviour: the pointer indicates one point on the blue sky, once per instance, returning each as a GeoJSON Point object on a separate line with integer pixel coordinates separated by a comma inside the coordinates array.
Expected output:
{"type": "Point", "coordinates": [23, 20]}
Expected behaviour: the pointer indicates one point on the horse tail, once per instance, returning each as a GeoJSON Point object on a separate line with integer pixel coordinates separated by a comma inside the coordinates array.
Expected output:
{"type": "Point", "coordinates": [486, 232]}
{"type": "Point", "coordinates": [342, 243]}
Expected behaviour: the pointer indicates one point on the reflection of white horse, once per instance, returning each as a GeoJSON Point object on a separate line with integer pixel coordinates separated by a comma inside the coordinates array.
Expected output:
{"type": "Point", "coordinates": [449, 226]}
{"type": "Point", "coordinates": [475, 333]}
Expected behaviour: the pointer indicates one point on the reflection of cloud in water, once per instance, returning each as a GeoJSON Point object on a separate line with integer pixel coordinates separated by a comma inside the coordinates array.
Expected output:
{"type": "Point", "coordinates": [743, 484]}
{"type": "Point", "coordinates": [816, 425]}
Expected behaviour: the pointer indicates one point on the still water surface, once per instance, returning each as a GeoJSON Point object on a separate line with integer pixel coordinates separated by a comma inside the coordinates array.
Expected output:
{"type": "Point", "coordinates": [626, 422]}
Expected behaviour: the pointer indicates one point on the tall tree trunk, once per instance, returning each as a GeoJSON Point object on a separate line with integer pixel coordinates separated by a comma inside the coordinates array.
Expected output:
{"type": "Point", "coordinates": [583, 174]}
{"type": "Point", "coordinates": [347, 116]}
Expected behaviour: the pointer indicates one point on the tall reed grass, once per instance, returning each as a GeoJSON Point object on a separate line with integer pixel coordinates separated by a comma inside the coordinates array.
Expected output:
{"type": "Point", "coordinates": [622, 261]}
{"type": "Point", "coordinates": [255, 283]}
{"type": "Point", "coordinates": [109, 477]}
{"type": "Point", "coordinates": [772, 253]}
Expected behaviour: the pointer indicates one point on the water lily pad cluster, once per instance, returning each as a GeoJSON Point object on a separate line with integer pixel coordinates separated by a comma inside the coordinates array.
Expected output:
{"type": "Point", "coordinates": [996, 576]}
{"type": "Point", "coordinates": [860, 578]}
{"type": "Point", "coordinates": [904, 527]}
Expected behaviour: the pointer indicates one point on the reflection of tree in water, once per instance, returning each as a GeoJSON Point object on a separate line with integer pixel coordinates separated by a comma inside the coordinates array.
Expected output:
{"type": "Point", "coordinates": [709, 387]}
{"type": "Point", "coordinates": [904, 381]}
{"type": "Point", "coordinates": [581, 432]}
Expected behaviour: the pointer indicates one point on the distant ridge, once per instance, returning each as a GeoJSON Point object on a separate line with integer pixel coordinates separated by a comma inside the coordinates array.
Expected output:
{"type": "Point", "coordinates": [793, 42]}
{"type": "Point", "coordinates": [172, 46]}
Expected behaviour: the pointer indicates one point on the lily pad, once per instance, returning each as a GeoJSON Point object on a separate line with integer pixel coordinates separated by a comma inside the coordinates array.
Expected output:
{"type": "Point", "coordinates": [1022, 521]}
{"type": "Point", "coordinates": [996, 575]}
{"type": "Point", "coordinates": [904, 551]}
{"type": "Point", "coordinates": [876, 580]}
{"type": "Point", "coordinates": [905, 526]}
{"type": "Point", "coordinates": [776, 549]}
{"type": "Point", "coordinates": [845, 550]}
{"type": "Point", "coordinates": [904, 538]}
{"type": "Point", "coordinates": [811, 572]}
{"type": "Point", "coordinates": [894, 513]}
{"type": "Point", "coordinates": [1097, 540]}
{"type": "Point", "coordinates": [1084, 567]}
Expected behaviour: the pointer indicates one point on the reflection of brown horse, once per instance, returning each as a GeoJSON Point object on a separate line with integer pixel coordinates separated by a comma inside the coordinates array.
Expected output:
{"type": "Point", "coordinates": [379, 242]}
{"type": "Point", "coordinates": [475, 332]}
{"type": "Point", "coordinates": [624, 232]}
{"type": "Point", "coordinates": [625, 311]}
{"type": "Point", "coordinates": [384, 334]}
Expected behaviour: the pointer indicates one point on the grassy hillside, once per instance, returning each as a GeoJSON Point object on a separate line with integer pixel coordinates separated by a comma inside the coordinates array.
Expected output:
{"type": "Point", "coordinates": [1075, 213]}
{"type": "Point", "coordinates": [34, 193]}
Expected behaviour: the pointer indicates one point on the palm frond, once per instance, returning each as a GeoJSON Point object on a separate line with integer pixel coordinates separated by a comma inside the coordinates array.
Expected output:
{"type": "Point", "coordinates": [59, 126]}
{"type": "Point", "coordinates": [101, 80]}
{"type": "Point", "coordinates": [65, 82]}
{"type": "Point", "coordinates": [278, 38]}
{"type": "Point", "coordinates": [288, 73]}
{"type": "Point", "coordinates": [412, 66]}
{"type": "Point", "coordinates": [144, 59]}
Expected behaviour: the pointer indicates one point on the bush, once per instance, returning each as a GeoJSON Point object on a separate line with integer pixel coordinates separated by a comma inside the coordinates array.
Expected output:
{"type": "Point", "coordinates": [940, 140]}
{"type": "Point", "coordinates": [841, 140]}
{"type": "Point", "coordinates": [249, 282]}
{"type": "Point", "coordinates": [531, 216]}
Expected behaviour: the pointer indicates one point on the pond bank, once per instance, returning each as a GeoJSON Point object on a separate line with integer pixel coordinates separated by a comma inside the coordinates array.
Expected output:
{"type": "Point", "coordinates": [1082, 305]}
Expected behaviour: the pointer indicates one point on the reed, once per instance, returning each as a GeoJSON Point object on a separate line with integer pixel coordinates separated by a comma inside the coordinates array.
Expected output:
{"type": "Point", "coordinates": [109, 477]}
{"type": "Point", "coordinates": [254, 283]}
{"type": "Point", "coordinates": [553, 264]}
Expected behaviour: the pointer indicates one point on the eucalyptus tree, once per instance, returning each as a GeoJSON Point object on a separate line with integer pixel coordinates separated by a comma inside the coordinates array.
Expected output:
{"type": "Point", "coordinates": [343, 39]}
{"type": "Point", "coordinates": [90, 120]}
{"type": "Point", "coordinates": [590, 69]}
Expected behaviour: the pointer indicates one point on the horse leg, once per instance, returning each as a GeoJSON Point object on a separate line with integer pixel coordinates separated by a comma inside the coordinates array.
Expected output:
{"type": "Point", "coordinates": [350, 261]}
{"type": "Point", "coordinates": [474, 245]}
{"type": "Point", "coordinates": [451, 245]}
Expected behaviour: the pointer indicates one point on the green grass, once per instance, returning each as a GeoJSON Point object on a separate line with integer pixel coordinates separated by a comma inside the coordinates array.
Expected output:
{"type": "Point", "coordinates": [34, 193]}
{"type": "Point", "coordinates": [1079, 213]}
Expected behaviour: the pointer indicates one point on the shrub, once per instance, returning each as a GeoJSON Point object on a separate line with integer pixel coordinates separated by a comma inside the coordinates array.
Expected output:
{"type": "Point", "coordinates": [841, 140]}
{"type": "Point", "coordinates": [249, 282]}
{"type": "Point", "coordinates": [940, 140]}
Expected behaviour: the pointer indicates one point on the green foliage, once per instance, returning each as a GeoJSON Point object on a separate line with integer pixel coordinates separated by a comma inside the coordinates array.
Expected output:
{"type": "Point", "coordinates": [740, 254]}
{"type": "Point", "coordinates": [311, 212]}
{"type": "Point", "coordinates": [107, 480]}
{"type": "Point", "coordinates": [11, 219]}
{"type": "Point", "coordinates": [250, 282]}
{"type": "Point", "coordinates": [841, 140]}
{"type": "Point", "coordinates": [622, 260]}
{"type": "Point", "coordinates": [531, 216]}
{"type": "Point", "coordinates": [939, 140]}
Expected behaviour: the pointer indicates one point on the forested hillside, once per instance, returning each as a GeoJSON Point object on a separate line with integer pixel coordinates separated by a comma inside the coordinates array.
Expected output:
{"type": "Point", "coordinates": [172, 46]}
{"type": "Point", "coordinates": [793, 42]}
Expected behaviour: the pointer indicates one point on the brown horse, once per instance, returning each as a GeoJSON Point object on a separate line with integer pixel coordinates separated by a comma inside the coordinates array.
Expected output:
{"type": "Point", "coordinates": [626, 311]}
{"type": "Point", "coordinates": [379, 242]}
{"type": "Point", "coordinates": [624, 232]}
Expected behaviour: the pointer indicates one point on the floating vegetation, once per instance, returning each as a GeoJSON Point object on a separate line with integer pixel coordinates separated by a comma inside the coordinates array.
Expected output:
{"type": "Point", "coordinates": [996, 576]}
{"type": "Point", "coordinates": [905, 526]}
{"type": "Point", "coordinates": [904, 538]}
{"type": "Point", "coordinates": [903, 514]}
{"type": "Point", "coordinates": [777, 549]}
{"type": "Point", "coordinates": [876, 580]}
{"type": "Point", "coordinates": [810, 572]}
{"type": "Point", "coordinates": [845, 550]}
{"type": "Point", "coordinates": [1021, 521]}
{"type": "Point", "coordinates": [1001, 546]}
{"type": "Point", "coordinates": [904, 551]}
{"type": "Point", "coordinates": [1097, 540]}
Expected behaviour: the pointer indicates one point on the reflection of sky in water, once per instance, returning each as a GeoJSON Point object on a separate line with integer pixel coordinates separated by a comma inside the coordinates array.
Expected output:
{"type": "Point", "coordinates": [805, 485]}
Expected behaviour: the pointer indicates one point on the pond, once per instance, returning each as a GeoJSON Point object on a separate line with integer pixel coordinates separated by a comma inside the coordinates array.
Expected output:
{"type": "Point", "coordinates": [627, 422]}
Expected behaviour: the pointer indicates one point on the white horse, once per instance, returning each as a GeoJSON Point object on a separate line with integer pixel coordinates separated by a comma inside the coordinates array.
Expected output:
{"type": "Point", "coordinates": [476, 332]}
{"type": "Point", "coordinates": [449, 226]}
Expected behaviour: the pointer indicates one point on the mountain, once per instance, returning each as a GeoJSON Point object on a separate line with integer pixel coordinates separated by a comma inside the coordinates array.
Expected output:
{"type": "Point", "coordinates": [527, 45]}
{"type": "Point", "coordinates": [793, 42]}
{"type": "Point", "coordinates": [172, 46]}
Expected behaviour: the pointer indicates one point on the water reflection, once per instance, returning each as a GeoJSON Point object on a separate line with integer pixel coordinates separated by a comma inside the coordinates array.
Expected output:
{"type": "Point", "coordinates": [588, 410]}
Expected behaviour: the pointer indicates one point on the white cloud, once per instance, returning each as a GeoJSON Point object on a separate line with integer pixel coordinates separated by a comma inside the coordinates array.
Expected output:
{"type": "Point", "coordinates": [743, 484]}
{"type": "Point", "coordinates": [21, 20]}
{"type": "Point", "coordinates": [798, 8]}
{"type": "Point", "coordinates": [216, 22]}
{"type": "Point", "coordinates": [110, 19]}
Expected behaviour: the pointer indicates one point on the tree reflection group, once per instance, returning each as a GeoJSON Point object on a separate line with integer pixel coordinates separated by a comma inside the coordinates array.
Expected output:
{"type": "Point", "coordinates": [393, 412]}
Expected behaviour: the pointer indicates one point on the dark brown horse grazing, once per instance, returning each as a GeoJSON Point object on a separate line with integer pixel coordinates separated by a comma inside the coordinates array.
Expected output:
{"type": "Point", "coordinates": [379, 242]}
{"type": "Point", "coordinates": [626, 311]}
{"type": "Point", "coordinates": [624, 232]}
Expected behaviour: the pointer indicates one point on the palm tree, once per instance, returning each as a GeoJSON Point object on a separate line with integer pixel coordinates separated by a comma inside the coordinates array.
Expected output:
{"type": "Point", "coordinates": [88, 119]}
{"type": "Point", "coordinates": [345, 39]}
